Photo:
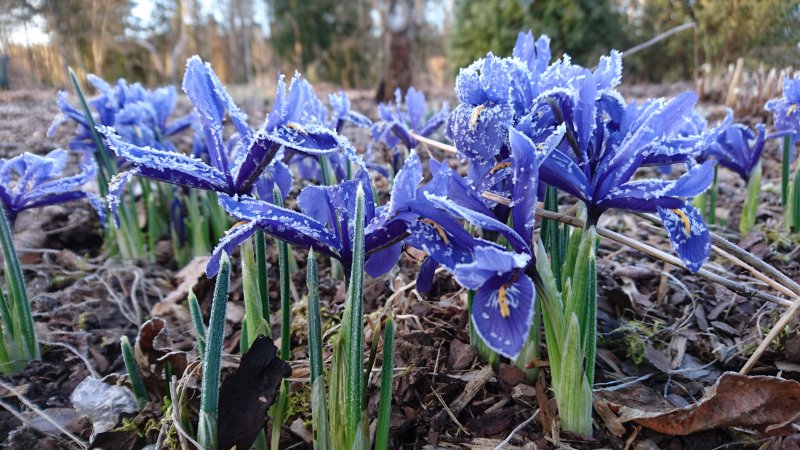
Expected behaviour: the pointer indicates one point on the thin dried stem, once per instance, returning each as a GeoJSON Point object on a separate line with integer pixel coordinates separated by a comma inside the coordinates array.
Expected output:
{"type": "Point", "coordinates": [745, 256]}
{"type": "Point", "coordinates": [785, 319]}
{"type": "Point", "coordinates": [433, 143]}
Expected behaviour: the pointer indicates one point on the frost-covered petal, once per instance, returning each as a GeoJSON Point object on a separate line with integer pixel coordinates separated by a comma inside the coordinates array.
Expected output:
{"type": "Point", "coordinates": [285, 224]}
{"type": "Point", "coordinates": [211, 102]}
{"type": "Point", "coordinates": [688, 234]}
{"type": "Point", "coordinates": [167, 166]}
{"type": "Point", "coordinates": [495, 79]}
{"type": "Point", "coordinates": [115, 189]}
{"type": "Point", "coordinates": [483, 221]}
{"type": "Point", "coordinates": [479, 131]}
{"type": "Point", "coordinates": [502, 312]}
{"type": "Point", "coordinates": [232, 239]}
{"type": "Point", "coordinates": [489, 262]}
{"type": "Point", "coordinates": [256, 159]}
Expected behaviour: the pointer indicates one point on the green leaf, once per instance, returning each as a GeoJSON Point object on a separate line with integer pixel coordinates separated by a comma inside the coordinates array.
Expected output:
{"type": "Point", "coordinates": [253, 315]}
{"type": "Point", "coordinates": [385, 404]}
{"type": "Point", "coordinates": [209, 391]}
{"type": "Point", "coordinates": [786, 171]}
{"type": "Point", "coordinates": [314, 318]}
{"type": "Point", "coordinates": [795, 200]}
{"type": "Point", "coordinates": [750, 209]}
{"type": "Point", "coordinates": [134, 376]}
{"type": "Point", "coordinates": [353, 327]}
{"type": "Point", "coordinates": [319, 415]}
{"type": "Point", "coordinates": [107, 167]}
{"type": "Point", "coordinates": [197, 321]}
{"type": "Point", "coordinates": [573, 394]}
{"type": "Point", "coordinates": [263, 279]}
{"type": "Point", "coordinates": [25, 344]}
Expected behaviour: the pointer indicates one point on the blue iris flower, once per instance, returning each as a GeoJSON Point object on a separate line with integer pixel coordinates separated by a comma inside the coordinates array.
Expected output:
{"type": "Point", "coordinates": [326, 221]}
{"type": "Point", "coordinates": [32, 181]}
{"type": "Point", "coordinates": [307, 166]}
{"type": "Point", "coordinates": [503, 305]}
{"type": "Point", "coordinates": [607, 142]}
{"type": "Point", "coordinates": [398, 118]}
{"type": "Point", "coordinates": [786, 109]}
{"type": "Point", "coordinates": [493, 92]}
{"type": "Point", "coordinates": [141, 116]}
{"type": "Point", "coordinates": [737, 148]}
{"type": "Point", "coordinates": [235, 165]}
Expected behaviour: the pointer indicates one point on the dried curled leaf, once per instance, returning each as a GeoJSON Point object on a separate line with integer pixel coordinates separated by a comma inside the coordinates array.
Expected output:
{"type": "Point", "coordinates": [247, 393]}
{"type": "Point", "coordinates": [770, 405]}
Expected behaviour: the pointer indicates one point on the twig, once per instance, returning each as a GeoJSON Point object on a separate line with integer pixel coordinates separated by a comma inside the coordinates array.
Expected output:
{"type": "Point", "coordinates": [637, 48]}
{"type": "Point", "coordinates": [787, 317]}
{"type": "Point", "coordinates": [470, 390]}
{"type": "Point", "coordinates": [743, 255]}
{"type": "Point", "coordinates": [516, 430]}
{"type": "Point", "coordinates": [449, 412]}
{"type": "Point", "coordinates": [74, 350]}
{"type": "Point", "coordinates": [433, 143]}
{"type": "Point", "coordinates": [734, 286]}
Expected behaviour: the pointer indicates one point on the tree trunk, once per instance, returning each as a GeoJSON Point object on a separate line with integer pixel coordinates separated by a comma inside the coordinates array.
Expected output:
{"type": "Point", "coordinates": [399, 47]}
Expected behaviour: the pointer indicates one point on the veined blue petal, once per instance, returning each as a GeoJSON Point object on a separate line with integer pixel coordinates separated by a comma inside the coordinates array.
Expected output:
{"type": "Point", "coordinates": [563, 172]}
{"type": "Point", "coordinates": [689, 235]}
{"type": "Point", "coordinates": [483, 221]}
{"type": "Point", "coordinates": [406, 182]}
{"type": "Point", "coordinates": [232, 239]}
{"type": "Point", "coordinates": [115, 189]}
{"type": "Point", "coordinates": [416, 107]}
{"type": "Point", "coordinates": [382, 261]}
{"type": "Point", "coordinates": [502, 312]}
{"type": "Point", "coordinates": [427, 270]}
{"type": "Point", "coordinates": [488, 262]}
{"type": "Point", "coordinates": [170, 167]}
{"type": "Point", "coordinates": [290, 226]}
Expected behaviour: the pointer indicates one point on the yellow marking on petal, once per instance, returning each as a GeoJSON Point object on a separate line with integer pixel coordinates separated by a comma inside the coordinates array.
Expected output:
{"type": "Point", "coordinates": [296, 126]}
{"type": "Point", "coordinates": [500, 166]}
{"type": "Point", "coordinates": [687, 225]}
{"type": "Point", "coordinates": [438, 228]}
{"type": "Point", "coordinates": [503, 301]}
{"type": "Point", "coordinates": [240, 223]}
{"type": "Point", "coordinates": [476, 114]}
{"type": "Point", "coordinates": [792, 109]}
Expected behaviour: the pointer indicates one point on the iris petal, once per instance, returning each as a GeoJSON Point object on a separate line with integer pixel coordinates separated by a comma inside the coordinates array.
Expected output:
{"type": "Point", "coordinates": [688, 234]}
{"type": "Point", "coordinates": [502, 313]}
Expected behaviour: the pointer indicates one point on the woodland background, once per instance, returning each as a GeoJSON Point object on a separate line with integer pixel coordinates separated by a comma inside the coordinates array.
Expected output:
{"type": "Point", "coordinates": [381, 44]}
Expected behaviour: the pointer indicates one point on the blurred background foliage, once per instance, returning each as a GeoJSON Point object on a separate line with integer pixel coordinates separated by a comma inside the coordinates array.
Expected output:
{"type": "Point", "coordinates": [380, 44]}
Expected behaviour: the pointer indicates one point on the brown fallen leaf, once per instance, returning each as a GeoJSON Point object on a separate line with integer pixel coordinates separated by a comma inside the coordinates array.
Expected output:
{"type": "Point", "coordinates": [188, 277]}
{"type": "Point", "coordinates": [247, 393]}
{"type": "Point", "coordinates": [770, 405]}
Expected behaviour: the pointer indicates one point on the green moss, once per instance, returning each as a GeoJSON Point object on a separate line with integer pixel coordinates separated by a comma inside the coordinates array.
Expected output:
{"type": "Point", "coordinates": [300, 404]}
{"type": "Point", "coordinates": [82, 322]}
